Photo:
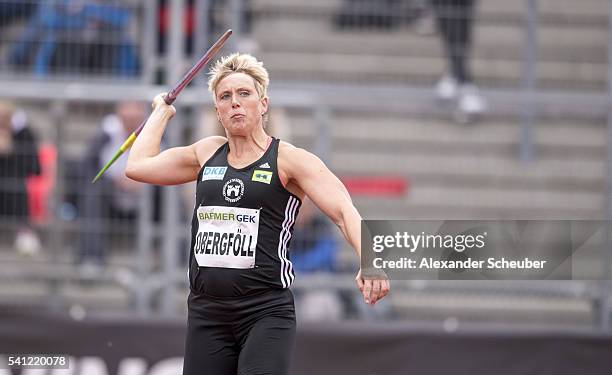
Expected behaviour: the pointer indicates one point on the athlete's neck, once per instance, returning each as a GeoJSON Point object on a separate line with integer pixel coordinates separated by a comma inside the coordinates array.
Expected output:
{"type": "Point", "coordinates": [245, 149]}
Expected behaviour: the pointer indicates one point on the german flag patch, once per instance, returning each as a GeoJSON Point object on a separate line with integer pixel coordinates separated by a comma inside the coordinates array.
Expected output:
{"type": "Point", "coordinates": [262, 176]}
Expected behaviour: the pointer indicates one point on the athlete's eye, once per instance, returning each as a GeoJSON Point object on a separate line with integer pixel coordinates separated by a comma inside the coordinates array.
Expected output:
{"type": "Point", "coordinates": [224, 96]}
{"type": "Point", "coordinates": [244, 93]}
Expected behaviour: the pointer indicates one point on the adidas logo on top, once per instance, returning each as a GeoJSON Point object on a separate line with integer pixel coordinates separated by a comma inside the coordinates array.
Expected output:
{"type": "Point", "coordinates": [265, 165]}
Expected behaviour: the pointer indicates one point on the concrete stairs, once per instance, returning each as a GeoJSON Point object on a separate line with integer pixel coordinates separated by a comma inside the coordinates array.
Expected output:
{"type": "Point", "coordinates": [471, 171]}
{"type": "Point", "coordinates": [572, 44]}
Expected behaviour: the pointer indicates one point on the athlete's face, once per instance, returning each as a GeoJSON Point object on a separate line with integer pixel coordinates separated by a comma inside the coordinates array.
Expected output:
{"type": "Point", "coordinates": [239, 107]}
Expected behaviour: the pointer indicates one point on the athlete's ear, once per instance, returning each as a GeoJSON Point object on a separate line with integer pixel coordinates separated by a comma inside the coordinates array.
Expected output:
{"type": "Point", "coordinates": [217, 113]}
{"type": "Point", "coordinates": [264, 105]}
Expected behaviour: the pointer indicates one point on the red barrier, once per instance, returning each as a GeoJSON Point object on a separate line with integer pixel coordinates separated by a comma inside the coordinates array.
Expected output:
{"type": "Point", "coordinates": [376, 186]}
{"type": "Point", "coordinates": [39, 187]}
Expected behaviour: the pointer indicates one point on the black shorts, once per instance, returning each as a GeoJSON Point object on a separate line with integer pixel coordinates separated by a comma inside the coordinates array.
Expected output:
{"type": "Point", "coordinates": [252, 335]}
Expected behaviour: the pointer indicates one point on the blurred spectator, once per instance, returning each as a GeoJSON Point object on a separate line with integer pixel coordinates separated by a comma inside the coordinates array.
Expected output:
{"type": "Point", "coordinates": [382, 14]}
{"type": "Point", "coordinates": [164, 21]}
{"type": "Point", "coordinates": [455, 20]}
{"type": "Point", "coordinates": [218, 20]}
{"type": "Point", "coordinates": [18, 161]}
{"type": "Point", "coordinates": [313, 250]}
{"type": "Point", "coordinates": [75, 35]}
{"type": "Point", "coordinates": [114, 197]}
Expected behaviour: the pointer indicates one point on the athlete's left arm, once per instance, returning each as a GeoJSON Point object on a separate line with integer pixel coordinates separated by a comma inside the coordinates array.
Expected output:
{"type": "Point", "coordinates": [328, 193]}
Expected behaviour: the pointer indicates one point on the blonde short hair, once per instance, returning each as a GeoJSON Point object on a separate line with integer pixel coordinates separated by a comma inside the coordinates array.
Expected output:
{"type": "Point", "coordinates": [239, 63]}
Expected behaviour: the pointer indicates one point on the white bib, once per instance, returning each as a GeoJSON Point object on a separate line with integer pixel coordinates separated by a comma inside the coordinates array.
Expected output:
{"type": "Point", "coordinates": [227, 237]}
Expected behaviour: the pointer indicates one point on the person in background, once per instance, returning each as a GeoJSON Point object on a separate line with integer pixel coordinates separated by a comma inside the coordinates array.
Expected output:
{"type": "Point", "coordinates": [364, 14]}
{"type": "Point", "coordinates": [114, 196]}
{"type": "Point", "coordinates": [18, 161]}
{"type": "Point", "coordinates": [455, 20]}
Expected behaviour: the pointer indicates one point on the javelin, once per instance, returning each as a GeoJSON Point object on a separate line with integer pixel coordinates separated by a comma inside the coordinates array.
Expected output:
{"type": "Point", "coordinates": [169, 98]}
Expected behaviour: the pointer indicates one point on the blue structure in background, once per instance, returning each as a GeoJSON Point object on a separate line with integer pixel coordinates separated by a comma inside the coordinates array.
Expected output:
{"type": "Point", "coordinates": [313, 246]}
{"type": "Point", "coordinates": [39, 41]}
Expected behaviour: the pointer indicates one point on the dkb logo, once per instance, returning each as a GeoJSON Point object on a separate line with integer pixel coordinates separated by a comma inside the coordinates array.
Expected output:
{"type": "Point", "coordinates": [233, 190]}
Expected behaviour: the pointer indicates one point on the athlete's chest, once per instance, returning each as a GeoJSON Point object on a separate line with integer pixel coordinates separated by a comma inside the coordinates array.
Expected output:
{"type": "Point", "coordinates": [248, 187]}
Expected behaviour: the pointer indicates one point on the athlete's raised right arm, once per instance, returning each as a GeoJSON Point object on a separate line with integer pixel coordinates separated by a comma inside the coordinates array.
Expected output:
{"type": "Point", "coordinates": [174, 166]}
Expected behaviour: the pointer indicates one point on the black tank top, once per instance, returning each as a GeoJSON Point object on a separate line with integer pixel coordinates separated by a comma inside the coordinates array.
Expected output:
{"type": "Point", "coordinates": [241, 227]}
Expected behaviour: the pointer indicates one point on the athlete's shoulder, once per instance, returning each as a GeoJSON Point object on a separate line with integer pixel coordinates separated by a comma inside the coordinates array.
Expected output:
{"type": "Point", "coordinates": [213, 140]}
{"type": "Point", "coordinates": [292, 159]}
{"type": "Point", "coordinates": [288, 151]}
{"type": "Point", "coordinates": [206, 147]}
{"type": "Point", "coordinates": [293, 153]}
